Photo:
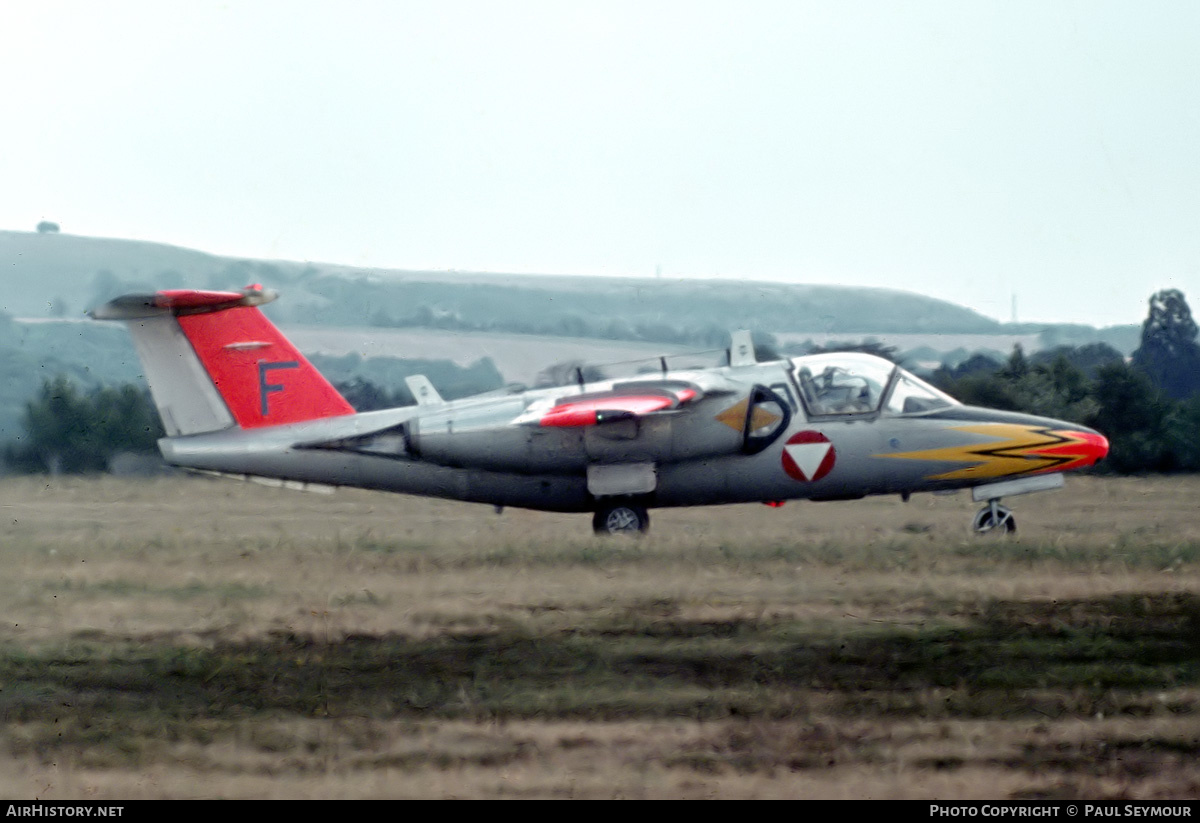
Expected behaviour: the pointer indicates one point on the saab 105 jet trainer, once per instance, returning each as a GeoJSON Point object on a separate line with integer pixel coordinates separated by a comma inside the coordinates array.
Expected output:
{"type": "Point", "coordinates": [237, 398]}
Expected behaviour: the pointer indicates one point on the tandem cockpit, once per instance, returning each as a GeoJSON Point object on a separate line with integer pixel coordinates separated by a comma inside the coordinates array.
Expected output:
{"type": "Point", "coordinates": [845, 384]}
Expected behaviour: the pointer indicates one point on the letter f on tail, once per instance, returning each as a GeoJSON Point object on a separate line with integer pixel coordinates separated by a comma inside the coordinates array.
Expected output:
{"type": "Point", "coordinates": [214, 361]}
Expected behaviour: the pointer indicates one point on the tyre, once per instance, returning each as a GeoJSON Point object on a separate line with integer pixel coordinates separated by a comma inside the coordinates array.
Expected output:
{"type": "Point", "coordinates": [621, 519]}
{"type": "Point", "coordinates": [999, 521]}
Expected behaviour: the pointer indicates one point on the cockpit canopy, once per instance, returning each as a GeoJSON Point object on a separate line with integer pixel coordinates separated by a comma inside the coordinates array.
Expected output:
{"type": "Point", "coordinates": [850, 383]}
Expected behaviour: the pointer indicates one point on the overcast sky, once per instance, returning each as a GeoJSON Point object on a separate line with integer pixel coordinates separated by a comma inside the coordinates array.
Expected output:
{"type": "Point", "coordinates": [968, 150]}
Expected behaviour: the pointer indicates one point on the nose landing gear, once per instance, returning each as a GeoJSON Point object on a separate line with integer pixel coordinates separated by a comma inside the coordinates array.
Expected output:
{"type": "Point", "coordinates": [999, 519]}
{"type": "Point", "coordinates": [994, 518]}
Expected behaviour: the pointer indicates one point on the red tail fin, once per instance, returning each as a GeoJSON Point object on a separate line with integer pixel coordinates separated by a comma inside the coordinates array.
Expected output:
{"type": "Point", "coordinates": [261, 376]}
{"type": "Point", "coordinates": [214, 361]}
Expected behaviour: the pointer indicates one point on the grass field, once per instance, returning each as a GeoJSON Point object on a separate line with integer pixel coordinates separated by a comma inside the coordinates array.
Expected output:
{"type": "Point", "coordinates": [190, 637]}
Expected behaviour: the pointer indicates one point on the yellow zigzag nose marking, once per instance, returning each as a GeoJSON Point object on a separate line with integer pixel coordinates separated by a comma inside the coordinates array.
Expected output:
{"type": "Point", "coordinates": [1012, 452]}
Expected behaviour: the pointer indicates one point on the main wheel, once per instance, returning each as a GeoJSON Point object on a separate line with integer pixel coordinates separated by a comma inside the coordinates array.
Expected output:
{"type": "Point", "coordinates": [621, 518]}
{"type": "Point", "coordinates": [994, 518]}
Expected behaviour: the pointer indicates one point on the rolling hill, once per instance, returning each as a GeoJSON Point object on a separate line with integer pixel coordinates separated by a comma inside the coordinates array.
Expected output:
{"type": "Point", "coordinates": [62, 275]}
{"type": "Point", "coordinates": [368, 321]}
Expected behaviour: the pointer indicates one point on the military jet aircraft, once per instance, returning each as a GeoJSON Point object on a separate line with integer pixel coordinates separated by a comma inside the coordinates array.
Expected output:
{"type": "Point", "coordinates": [236, 397]}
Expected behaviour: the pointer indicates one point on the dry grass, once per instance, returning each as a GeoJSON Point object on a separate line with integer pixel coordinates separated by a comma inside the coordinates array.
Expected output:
{"type": "Point", "coordinates": [204, 638]}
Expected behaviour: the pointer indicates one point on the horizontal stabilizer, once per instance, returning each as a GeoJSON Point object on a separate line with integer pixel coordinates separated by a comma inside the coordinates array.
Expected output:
{"type": "Point", "coordinates": [179, 301]}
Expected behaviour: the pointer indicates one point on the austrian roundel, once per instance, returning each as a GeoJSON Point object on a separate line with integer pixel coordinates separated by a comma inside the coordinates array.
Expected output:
{"type": "Point", "coordinates": [808, 456]}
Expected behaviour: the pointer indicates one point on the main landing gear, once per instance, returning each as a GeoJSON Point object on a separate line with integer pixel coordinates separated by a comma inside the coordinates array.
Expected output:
{"type": "Point", "coordinates": [623, 518]}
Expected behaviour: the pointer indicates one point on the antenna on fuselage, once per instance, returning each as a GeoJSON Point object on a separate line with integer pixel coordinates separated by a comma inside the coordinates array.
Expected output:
{"type": "Point", "coordinates": [423, 391]}
{"type": "Point", "coordinates": [741, 349]}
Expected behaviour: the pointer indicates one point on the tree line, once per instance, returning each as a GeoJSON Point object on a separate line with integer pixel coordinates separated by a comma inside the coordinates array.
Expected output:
{"type": "Point", "coordinates": [71, 429]}
{"type": "Point", "coordinates": [1148, 406]}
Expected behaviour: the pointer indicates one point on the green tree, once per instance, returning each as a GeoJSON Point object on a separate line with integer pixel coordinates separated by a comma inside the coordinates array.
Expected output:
{"type": "Point", "coordinates": [1169, 354]}
{"type": "Point", "coordinates": [365, 395]}
{"type": "Point", "coordinates": [1182, 442]}
{"type": "Point", "coordinates": [1131, 413]}
{"type": "Point", "coordinates": [1087, 358]}
{"type": "Point", "coordinates": [1017, 366]}
{"type": "Point", "coordinates": [1056, 389]}
{"type": "Point", "coordinates": [1053, 388]}
{"type": "Point", "coordinates": [71, 431]}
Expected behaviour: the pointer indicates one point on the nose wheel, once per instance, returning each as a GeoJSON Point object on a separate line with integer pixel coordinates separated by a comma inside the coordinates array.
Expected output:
{"type": "Point", "coordinates": [625, 519]}
{"type": "Point", "coordinates": [994, 518]}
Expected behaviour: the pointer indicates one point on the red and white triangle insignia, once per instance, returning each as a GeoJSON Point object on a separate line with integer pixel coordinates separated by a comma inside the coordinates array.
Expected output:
{"type": "Point", "coordinates": [808, 457]}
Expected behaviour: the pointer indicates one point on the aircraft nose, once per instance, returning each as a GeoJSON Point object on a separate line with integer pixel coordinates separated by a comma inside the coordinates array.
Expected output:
{"type": "Point", "coordinates": [1094, 446]}
{"type": "Point", "coordinates": [1043, 444]}
{"type": "Point", "coordinates": [1081, 446]}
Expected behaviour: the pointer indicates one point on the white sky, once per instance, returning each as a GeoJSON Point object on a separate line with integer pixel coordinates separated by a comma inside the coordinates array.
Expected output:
{"type": "Point", "coordinates": [966, 150]}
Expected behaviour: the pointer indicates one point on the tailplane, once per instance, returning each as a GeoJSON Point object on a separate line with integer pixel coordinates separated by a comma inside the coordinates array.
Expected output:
{"type": "Point", "coordinates": [214, 361]}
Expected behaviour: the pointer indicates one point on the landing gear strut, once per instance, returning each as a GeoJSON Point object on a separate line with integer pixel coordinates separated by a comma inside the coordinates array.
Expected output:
{"type": "Point", "coordinates": [627, 519]}
{"type": "Point", "coordinates": [994, 518]}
